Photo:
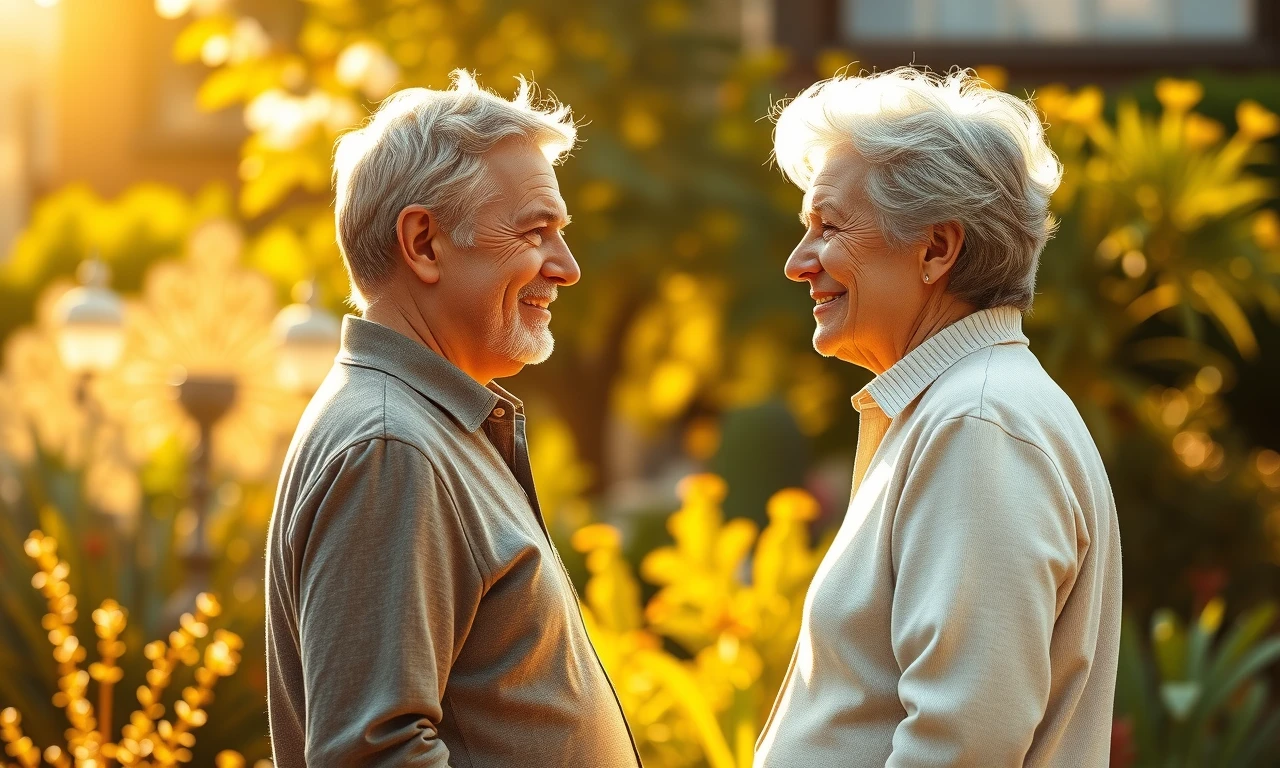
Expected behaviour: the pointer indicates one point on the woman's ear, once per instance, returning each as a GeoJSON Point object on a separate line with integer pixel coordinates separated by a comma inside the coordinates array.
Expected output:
{"type": "Point", "coordinates": [418, 238]}
{"type": "Point", "coordinates": [946, 240]}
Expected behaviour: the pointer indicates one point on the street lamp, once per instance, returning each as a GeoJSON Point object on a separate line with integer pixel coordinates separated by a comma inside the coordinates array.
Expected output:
{"type": "Point", "coordinates": [90, 324]}
{"type": "Point", "coordinates": [308, 339]}
{"type": "Point", "coordinates": [206, 399]}
{"type": "Point", "coordinates": [88, 328]}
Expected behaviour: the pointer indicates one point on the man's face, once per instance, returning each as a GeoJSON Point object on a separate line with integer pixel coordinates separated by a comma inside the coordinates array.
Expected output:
{"type": "Point", "coordinates": [495, 294]}
{"type": "Point", "coordinates": [867, 293]}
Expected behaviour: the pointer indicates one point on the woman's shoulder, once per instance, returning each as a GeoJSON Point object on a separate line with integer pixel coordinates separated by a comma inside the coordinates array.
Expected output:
{"type": "Point", "coordinates": [1004, 384]}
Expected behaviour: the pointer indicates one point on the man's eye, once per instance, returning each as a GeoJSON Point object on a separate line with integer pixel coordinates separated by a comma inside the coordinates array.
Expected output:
{"type": "Point", "coordinates": [534, 236]}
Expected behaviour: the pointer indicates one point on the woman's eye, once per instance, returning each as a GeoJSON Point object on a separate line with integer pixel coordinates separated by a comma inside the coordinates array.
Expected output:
{"type": "Point", "coordinates": [828, 229]}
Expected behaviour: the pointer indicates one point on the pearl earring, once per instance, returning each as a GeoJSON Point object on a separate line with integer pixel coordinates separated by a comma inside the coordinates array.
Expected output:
{"type": "Point", "coordinates": [926, 278]}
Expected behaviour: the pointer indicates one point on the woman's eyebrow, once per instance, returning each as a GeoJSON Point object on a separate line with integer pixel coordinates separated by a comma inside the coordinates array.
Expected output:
{"type": "Point", "coordinates": [823, 207]}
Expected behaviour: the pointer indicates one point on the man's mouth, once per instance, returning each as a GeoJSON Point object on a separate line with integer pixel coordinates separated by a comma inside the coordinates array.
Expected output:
{"type": "Point", "coordinates": [821, 300]}
{"type": "Point", "coordinates": [538, 305]}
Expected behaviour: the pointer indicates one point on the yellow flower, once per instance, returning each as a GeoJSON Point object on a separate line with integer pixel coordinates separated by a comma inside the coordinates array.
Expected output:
{"type": "Point", "coordinates": [705, 488]}
{"type": "Point", "coordinates": [792, 504]}
{"type": "Point", "coordinates": [1201, 131]}
{"type": "Point", "coordinates": [1086, 107]}
{"type": "Point", "coordinates": [1255, 121]}
{"type": "Point", "coordinates": [996, 78]}
{"type": "Point", "coordinates": [229, 759]}
{"type": "Point", "coordinates": [1179, 95]}
{"type": "Point", "coordinates": [640, 128]}
{"type": "Point", "coordinates": [668, 15]}
{"type": "Point", "coordinates": [596, 536]}
{"type": "Point", "coordinates": [833, 61]}
{"type": "Point", "coordinates": [597, 195]}
{"type": "Point", "coordinates": [1266, 230]}
{"type": "Point", "coordinates": [1053, 101]}
{"type": "Point", "coordinates": [1211, 616]}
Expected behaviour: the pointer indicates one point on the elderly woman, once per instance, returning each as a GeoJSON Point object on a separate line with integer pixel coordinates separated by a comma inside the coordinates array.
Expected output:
{"type": "Point", "coordinates": [968, 611]}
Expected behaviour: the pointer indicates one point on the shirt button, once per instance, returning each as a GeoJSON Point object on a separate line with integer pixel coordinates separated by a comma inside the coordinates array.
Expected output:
{"type": "Point", "coordinates": [499, 412]}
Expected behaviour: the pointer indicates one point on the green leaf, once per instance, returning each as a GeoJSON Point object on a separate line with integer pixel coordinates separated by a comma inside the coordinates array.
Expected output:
{"type": "Point", "coordinates": [1135, 696]}
{"type": "Point", "coordinates": [1248, 629]}
{"type": "Point", "coordinates": [1219, 689]}
{"type": "Point", "coordinates": [1262, 740]}
{"type": "Point", "coordinates": [1180, 697]}
{"type": "Point", "coordinates": [1170, 641]}
{"type": "Point", "coordinates": [1241, 723]}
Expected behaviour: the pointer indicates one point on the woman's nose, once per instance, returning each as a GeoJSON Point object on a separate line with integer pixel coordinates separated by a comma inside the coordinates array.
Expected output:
{"type": "Point", "coordinates": [803, 262]}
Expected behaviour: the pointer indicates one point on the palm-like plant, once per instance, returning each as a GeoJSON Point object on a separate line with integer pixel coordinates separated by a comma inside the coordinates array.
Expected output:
{"type": "Point", "coordinates": [1162, 231]}
{"type": "Point", "coordinates": [1188, 702]}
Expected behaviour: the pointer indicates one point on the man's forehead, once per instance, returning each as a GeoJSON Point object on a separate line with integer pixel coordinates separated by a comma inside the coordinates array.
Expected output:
{"type": "Point", "coordinates": [519, 165]}
{"type": "Point", "coordinates": [542, 199]}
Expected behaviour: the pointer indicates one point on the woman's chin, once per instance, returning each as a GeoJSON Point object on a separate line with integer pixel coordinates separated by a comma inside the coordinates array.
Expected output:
{"type": "Point", "coordinates": [826, 342]}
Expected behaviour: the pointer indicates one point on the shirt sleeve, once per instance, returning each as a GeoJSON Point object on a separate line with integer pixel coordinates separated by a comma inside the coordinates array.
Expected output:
{"type": "Point", "coordinates": [388, 587]}
{"type": "Point", "coordinates": [984, 552]}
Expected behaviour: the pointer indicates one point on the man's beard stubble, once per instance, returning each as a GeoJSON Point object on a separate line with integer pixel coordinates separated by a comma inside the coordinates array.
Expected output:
{"type": "Point", "coordinates": [517, 339]}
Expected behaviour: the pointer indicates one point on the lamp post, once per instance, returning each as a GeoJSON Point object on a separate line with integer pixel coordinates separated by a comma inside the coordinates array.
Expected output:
{"type": "Point", "coordinates": [308, 339]}
{"type": "Point", "coordinates": [206, 399]}
{"type": "Point", "coordinates": [88, 325]}
{"type": "Point", "coordinates": [89, 322]}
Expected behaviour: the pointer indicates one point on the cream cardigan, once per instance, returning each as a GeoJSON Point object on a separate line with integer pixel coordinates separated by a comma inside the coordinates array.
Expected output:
{"type": "Point", "coordinates": [968, 612]}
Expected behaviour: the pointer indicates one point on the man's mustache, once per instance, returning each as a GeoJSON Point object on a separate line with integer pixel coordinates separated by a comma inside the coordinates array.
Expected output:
{"type": "Point", "coordinates": [542, 291]}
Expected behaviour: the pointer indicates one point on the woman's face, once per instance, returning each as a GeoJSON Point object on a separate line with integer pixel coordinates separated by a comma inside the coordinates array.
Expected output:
{"type": "Point", "coordinates": [868, 294]}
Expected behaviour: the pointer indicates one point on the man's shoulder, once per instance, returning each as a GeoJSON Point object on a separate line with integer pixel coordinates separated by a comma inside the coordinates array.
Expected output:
{"type": "Point", "coordinates": [356, 405]}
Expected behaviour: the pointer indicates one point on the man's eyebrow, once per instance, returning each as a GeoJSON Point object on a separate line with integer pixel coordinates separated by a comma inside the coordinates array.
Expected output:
{"type": "Point", "coordinates": [545, 213]}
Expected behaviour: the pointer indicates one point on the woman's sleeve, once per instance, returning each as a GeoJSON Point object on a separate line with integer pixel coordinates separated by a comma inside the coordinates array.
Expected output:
{"type": "Point", "coordinates": [984, 552]}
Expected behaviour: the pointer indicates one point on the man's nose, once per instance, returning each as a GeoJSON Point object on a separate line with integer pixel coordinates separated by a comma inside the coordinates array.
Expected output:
{"type": "Point", "coordinates": [560, 267]}
{"type": "Point", "coordinates": [803, 262]}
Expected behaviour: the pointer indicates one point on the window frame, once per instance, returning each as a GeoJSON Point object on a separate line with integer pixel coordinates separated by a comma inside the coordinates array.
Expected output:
{"type": "Point", "coordinates": [810, 27]}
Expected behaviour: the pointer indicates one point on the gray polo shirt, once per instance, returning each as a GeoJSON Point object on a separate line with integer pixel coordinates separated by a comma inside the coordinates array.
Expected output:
{"type": "Point", "coordinates": [417, 612]}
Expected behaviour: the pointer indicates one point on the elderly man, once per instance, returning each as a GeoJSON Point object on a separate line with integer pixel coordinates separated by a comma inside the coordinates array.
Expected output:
{"type": "Point", "coordinates": [968, 611]}
{"type": "Point", "coordinates": [417, 612]}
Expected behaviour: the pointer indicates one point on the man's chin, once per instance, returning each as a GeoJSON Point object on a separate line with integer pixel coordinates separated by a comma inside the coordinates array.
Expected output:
{"type": "Point", "coordinates": [539, 356]}
{"type": "Point", "coordinates": [536, 348]}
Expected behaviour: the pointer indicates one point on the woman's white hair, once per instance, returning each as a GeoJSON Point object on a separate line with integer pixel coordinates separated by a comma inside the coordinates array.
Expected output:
{"type": "Point", "coordinates": [426, 147]}
{"type": "Point", "coordinates": [938, 148]}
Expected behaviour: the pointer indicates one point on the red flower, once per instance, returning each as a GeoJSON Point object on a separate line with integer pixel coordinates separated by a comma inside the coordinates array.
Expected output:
{"type": "Point", "coordinates": [1123, 750]}
{"type": "Point", "coordinates": [1206, 584]}
{"type": "Point", "coordinates": [94, 545]}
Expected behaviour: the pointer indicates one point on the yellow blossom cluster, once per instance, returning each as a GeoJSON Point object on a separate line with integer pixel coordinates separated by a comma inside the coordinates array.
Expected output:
{"type": "Point", "coordinates": [729, 599]}
{"type": "Point", "coordinates": [147, 741]}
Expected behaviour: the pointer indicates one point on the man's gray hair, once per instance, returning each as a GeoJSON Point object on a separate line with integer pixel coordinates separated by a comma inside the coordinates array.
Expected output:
{"type": "Point", "coordinates": [426, 147]}
{"type": "Point", "coordinates": [938, 148]}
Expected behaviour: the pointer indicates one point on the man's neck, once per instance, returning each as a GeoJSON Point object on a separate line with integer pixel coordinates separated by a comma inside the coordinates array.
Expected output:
{"type": "Point", "coordinates": [409, 322]}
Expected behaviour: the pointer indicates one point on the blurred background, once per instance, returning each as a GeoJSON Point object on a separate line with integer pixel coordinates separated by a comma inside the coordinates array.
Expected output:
{"type": "Point", "coordinates": [170, 292]}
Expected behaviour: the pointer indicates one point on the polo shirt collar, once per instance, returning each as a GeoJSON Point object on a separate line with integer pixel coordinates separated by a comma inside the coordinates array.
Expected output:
{"type": "Point", "coordinates": [896, 388]}
{"type": "Point", "coordinates": [366, 344]}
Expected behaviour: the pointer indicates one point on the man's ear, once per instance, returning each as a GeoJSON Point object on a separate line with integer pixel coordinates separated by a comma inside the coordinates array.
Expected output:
{"type": "Point", "coordinates": [943, 247]}
{"type": "Point", "coordinates": [418, 238]}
